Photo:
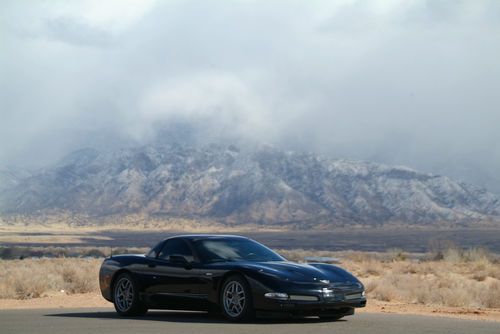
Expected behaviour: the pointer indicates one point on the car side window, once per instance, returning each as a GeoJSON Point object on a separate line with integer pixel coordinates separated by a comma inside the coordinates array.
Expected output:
{"type": "Point", "coordinates": [155, 250]}
{"type": "Point", "coordinates": [176, 247]}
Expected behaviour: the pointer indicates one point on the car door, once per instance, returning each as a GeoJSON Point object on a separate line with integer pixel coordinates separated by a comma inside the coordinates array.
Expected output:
{"type": "Point", "coordinates": [175, 285]}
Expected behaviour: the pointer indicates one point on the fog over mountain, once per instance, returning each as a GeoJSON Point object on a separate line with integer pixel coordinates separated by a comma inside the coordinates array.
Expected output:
{"type": "Point", "coordinates": [410, 83]}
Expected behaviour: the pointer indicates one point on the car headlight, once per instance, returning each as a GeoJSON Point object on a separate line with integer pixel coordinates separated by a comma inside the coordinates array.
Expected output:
{"type": "Point", "coordinates": [277, 295]}
{"type": "Point", "coordinates": [363, 294]}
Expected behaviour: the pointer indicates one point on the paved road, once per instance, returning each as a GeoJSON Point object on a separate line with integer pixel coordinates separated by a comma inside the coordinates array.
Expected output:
{"type": "Point", "coordinates": [77, 321]}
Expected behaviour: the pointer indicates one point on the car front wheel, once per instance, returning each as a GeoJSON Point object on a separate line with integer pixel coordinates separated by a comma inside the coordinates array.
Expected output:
{"type": "Point", "coordinates": [126, 297]}
{"type": "Point", "coordinates": [236, 299]}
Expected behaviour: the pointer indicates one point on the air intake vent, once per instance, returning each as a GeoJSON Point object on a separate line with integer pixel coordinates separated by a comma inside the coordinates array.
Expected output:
{"type": "Point", "coordinates": [304, 298]}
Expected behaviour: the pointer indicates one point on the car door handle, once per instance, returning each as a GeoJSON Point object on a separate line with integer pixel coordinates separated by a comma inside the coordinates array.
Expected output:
{"type": "Point", "coordinates": [152, 265]}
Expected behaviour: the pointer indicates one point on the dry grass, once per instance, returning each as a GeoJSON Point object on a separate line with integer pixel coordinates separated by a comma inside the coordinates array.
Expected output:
{"type": "Point", "coordinates": [454, 278]}
{"type": "Point", "coordinates": [33, 278]}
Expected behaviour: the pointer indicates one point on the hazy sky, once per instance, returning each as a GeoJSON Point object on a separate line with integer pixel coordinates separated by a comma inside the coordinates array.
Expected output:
{"type": "Point", "coordinates": [403, 82]}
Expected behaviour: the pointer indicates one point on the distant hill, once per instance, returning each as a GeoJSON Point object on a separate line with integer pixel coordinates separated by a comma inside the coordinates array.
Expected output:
{"type": "Point", "coordinates": [245, 185]}
{"type": "Point", "coordinates": [11, 177]}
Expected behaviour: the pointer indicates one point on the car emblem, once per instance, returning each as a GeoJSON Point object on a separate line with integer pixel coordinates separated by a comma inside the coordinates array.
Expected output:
{"type": "Point", "coordinates": [325, 281]}
{"type": "Point", "coordinates": [327, 293]}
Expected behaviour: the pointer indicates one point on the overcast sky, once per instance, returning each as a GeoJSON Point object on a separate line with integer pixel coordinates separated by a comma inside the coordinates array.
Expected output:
{"type": "Point", "coordinates": [401, 82]}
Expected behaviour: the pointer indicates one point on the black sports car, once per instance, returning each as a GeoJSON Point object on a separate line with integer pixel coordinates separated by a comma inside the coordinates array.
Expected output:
{"type": "Point", "coordinates": [232, 274]}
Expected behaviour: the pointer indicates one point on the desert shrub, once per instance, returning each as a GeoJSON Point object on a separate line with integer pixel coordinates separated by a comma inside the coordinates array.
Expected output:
{"type": "Point", "coordinates": [356, 256]}
{"type": "Point", "coordinates": [397, 254]}
{"type": "Point", "coordinates": [450, 252]}
{"type": "Point", "coordinates": [478, 255]}
{"type": "Point", "coordinates": [371, 285]}
{"type": "Point", "coordinates": [437, 283]}
{"type": "Point", "coordinates": [29, 287]}
{"type": "Point", "coordinates": [32, 278]}
{"type": "Point", "coordinates": [77, 280]}
{"type": "Point", "coordinates": [452, 255]}
{"type": "Point", "coordinates": [94, 252]}
{"type": "Point", "coordinates": [370, 268]}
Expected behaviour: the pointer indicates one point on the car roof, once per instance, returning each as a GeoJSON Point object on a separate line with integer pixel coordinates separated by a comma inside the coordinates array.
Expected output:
{"type": "Point", "coordinates": [195, 237]}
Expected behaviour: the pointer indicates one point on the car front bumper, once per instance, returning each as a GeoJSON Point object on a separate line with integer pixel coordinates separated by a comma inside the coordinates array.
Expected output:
{"type": "Point", "coordinates": [311, 300]}
{"type": "Point", "coordinates": [319, 306]}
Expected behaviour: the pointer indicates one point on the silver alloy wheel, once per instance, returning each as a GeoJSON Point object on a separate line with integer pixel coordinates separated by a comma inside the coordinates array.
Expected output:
{"type": "Point", "coordinates": [233, 299]}
{"type": "Point", "coordinates": [124, 294]}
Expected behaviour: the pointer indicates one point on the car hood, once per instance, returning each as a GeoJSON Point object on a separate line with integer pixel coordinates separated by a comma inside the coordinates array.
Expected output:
{"type": "Point", "coordinates": [306, 273]}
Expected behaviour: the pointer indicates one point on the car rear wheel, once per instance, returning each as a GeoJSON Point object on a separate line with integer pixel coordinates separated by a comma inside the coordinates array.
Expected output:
{"type": "Point", "coordinates": [236, 299]}
{"type": "Point", "coordinates": [126, 296]}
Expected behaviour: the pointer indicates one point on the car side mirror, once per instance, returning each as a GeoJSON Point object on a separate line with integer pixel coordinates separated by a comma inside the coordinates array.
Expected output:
{"type": "Point", "coordinates": [179, 260]}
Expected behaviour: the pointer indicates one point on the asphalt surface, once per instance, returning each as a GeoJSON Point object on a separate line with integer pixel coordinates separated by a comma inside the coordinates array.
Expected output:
{"type": "Point", "coordinates": [76, 321]}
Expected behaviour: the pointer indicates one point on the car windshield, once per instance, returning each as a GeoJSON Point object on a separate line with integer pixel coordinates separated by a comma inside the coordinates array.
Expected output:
{"type": "Point", "coordinates": [222, 250]}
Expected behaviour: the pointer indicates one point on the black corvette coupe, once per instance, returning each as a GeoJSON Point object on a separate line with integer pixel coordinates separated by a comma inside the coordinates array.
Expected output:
{"type": "Point", "coordinates": [232, 274]}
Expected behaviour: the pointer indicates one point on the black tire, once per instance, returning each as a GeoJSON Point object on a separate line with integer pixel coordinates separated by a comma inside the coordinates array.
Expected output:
{"type": "Point", "coordinates": [126, 296]}
{"type": "Point", "coordinates": [238, 287]}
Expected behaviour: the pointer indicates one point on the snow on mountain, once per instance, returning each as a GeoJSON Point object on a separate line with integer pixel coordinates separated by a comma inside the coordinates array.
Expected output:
{"type": "Point", "coordinates": [245, 185]}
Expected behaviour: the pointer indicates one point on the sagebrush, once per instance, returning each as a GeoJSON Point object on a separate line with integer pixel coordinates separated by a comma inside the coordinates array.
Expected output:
{"type": "Point", "coordinates": [32, 278]}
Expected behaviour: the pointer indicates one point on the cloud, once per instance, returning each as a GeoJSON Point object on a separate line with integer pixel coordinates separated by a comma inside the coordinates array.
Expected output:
{"type": "Point", "coordinates": [74, 32]}
{"type": "Point", "coordinates": [405, 82]}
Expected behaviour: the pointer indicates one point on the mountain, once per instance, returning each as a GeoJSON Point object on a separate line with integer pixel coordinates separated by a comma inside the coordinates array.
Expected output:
{"type": "Point", "coordinates": [11, 177]}
{"type": "Point", "coordinates": [245, 185]}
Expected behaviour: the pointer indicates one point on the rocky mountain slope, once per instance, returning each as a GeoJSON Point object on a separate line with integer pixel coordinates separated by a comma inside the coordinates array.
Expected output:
{"type": "Point", "coordinates": [11, 177]}
{"type": "Point", "coordinates": [245, 185]}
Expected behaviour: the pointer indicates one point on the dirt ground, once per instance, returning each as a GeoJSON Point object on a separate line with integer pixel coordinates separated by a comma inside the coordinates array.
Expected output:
{"type": "Point", "coordinates": [94, 300]}
{"type": "Point", "coordinates": [375, 306]}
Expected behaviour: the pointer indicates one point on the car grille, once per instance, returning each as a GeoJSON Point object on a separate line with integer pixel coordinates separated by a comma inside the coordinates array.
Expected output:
{"type": "Point", "coordinates": [342, 291]}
